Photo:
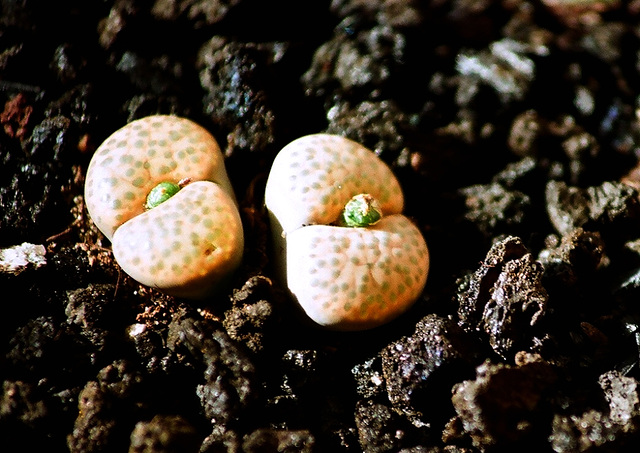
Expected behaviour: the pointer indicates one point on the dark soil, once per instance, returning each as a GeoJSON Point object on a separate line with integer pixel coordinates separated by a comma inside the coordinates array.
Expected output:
{"type": "Point", "coordinates": [512, 127]}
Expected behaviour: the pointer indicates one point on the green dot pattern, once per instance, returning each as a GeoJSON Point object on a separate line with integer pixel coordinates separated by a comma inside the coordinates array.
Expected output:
{"type": "Point", "coordinates": [177, 248]}
{"type": "Point", "coordinates": [357, 278]}
{"type": "Point", "coordinates": [313, 177]}
{"type": "Point", "coordinates": [139, 156]}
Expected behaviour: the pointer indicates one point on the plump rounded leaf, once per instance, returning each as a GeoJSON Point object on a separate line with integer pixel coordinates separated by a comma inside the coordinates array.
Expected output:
{"type": "Point", "coordinates": [158, 189]}
{"type": "Point", "coordinates": [357, 278]}
{"type": "Point", "coordinates": [313, 178]}
{"type": "Point", "coordinates": [353, 268]}
{"type": "Point", "coordinates": [187, 246]}
{"type": "Point", "coordinates": [142, 154]}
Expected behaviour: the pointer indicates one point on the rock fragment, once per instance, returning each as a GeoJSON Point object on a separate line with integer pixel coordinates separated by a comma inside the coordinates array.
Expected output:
{"type": "Point", "coordinates": [502, 406]}
{"type": "Point", "coordinates": [504, 299]}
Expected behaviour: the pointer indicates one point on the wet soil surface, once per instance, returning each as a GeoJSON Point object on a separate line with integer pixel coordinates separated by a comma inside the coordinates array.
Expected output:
{"type": "Point", "coordinates": [512, 127]}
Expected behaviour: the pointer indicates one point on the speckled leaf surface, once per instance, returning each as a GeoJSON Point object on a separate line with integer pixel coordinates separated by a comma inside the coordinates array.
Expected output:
{"type": "Point", "coordinates": [186, 246]}
{"type": "Point", "coordinates": [356, 278]}
{"type": "Point", "coordinates": [318, 174]}
{"type": "Point", "coordinates": [345, 278]}
{"type": "Point", "coordinates": [141, 155]}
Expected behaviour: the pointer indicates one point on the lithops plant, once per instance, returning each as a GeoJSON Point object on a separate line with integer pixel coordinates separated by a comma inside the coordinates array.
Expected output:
{"type": "Point", "coordinates": [159, 190]}
{"type": "Point", "coordinates": [347, 254]}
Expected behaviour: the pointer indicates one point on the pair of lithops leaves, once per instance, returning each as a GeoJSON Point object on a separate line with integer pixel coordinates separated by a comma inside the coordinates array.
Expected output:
{"type": "Point", "coordinates": [346, 252]}
{"type": "Point", "coordinates": [158, 189]}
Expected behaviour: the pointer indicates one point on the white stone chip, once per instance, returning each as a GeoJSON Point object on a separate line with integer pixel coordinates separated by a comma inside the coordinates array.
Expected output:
{"type": "Point", "coordinates": [19, 257]}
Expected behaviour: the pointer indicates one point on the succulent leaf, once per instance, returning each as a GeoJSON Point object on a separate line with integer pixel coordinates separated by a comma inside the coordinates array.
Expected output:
{"type": "Point", "coordinates": [361, 211]}
{"type": "Point", "coordinates": [161, 193]}
{"type": "Point", "coordinates": [348, 266]}
{"type": "Point", "coordinates": [142, 154]}
{"type": "Point", "coordinates": [184, 238]}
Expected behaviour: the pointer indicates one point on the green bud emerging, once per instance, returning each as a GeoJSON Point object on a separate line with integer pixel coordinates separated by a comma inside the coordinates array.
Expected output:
{"type": "Point", "coordinates": [361, 211]}
{"type": "Point", "coordinates": [161, 193]}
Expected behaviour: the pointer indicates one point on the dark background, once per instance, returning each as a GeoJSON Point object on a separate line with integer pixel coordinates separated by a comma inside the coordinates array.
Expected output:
{"type": "Point", "coordinates": [512, 127]}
